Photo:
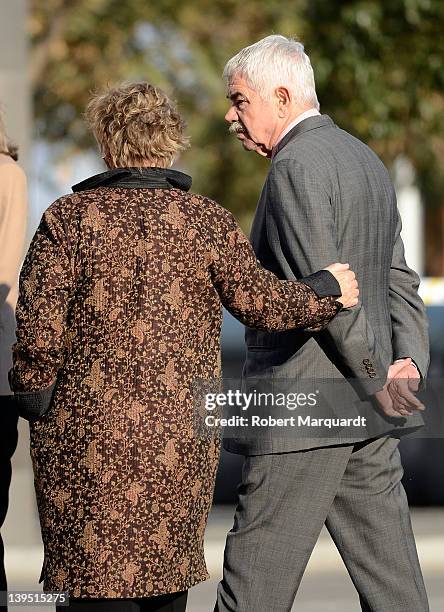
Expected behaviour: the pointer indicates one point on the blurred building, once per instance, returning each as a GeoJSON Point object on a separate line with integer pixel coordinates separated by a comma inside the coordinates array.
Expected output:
{"type": "Point", "coordinates": [15, 95]}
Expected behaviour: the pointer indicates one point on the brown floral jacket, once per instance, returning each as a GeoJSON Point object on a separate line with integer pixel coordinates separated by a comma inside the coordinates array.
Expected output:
{"type": "Point", "coordinates": [120, 305]}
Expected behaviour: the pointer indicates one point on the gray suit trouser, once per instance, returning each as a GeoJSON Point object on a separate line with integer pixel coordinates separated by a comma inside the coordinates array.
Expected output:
{"type": "Point", "coordinates": [285, 499]}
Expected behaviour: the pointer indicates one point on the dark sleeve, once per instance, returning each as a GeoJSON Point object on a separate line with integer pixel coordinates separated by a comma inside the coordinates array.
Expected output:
{"type": "Point", "coordinates": [46, 288]}
{"type": "Point", "coordinates": [301, 231]}
{"type": "Point", "coordinates": [256, 296]}
{"type": "Point", "coordinates": [323, 283]}
{"type": "Point", "coordinates": [409, 320]}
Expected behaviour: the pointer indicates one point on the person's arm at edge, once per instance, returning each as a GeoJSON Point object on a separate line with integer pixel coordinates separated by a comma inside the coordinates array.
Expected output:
{"type": "Point", "coordinates": [409, 320]}
{"type": "Point", "coordinates": [13, 223]}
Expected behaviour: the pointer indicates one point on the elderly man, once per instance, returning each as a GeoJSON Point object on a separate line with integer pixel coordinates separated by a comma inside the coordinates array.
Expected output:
{"type": "Point", "coordinates": [327, 197]}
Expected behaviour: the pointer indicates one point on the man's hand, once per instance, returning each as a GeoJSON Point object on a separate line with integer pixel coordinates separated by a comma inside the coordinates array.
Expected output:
{"type": "Point", "coordinates": [402, 385]}
{"type": "Point", "coordinates": [348, 283]}
{"type": "Point", "coordinates": [409, 372]}
{"type": "Point", "coordinates": [396, 398]}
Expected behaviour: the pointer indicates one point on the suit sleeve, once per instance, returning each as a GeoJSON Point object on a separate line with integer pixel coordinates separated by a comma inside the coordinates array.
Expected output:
{"type": "Point", "coordinates": [255, 296]}
{"type": "Point", "coordinates": [46, 288]}
{"type": "Point", "coordinates": [409, 320]}
{"type": "Point", "coordinates": [302, 236]}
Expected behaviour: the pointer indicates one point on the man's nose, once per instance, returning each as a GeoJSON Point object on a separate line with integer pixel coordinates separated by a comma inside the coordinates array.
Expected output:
{"type": "Point", "coordinates": [231, 115]}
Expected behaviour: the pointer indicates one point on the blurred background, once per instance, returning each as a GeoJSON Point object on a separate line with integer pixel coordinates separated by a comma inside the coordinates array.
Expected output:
{"type": "Point", "coordinates": [379, 69]}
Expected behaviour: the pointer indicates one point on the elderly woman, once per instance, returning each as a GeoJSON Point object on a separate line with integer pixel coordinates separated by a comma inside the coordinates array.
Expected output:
{"type": "Point", "coordinates": [119, 312]}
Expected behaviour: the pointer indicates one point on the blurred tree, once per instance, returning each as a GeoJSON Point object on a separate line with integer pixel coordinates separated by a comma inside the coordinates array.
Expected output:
{"type": "Point", "coordinates": [380, 72]}
{"type": "Point", "coordinates": [378, 66]}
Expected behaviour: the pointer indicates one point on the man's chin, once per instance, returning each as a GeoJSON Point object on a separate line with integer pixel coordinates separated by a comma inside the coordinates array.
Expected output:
{"type": "Point", "coordinates": [248, 145]}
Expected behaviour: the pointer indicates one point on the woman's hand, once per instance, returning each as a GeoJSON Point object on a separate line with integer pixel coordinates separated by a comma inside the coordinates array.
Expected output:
{"type": "Point", "coordinates": [348, 283]}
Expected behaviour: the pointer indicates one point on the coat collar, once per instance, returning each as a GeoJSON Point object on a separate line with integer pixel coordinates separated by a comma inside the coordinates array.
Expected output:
{"type": "Point", "coordinates": [311, 123]}
{"type": "Point", "coordinates": [142, 178]}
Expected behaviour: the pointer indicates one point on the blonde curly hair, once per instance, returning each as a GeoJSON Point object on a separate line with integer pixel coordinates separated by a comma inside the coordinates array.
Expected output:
{"type": "Point", "coordinates": [136, 124]}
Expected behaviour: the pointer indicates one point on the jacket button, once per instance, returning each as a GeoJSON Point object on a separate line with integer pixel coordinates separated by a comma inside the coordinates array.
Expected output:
{"type": "Point", "coordinates": [366, 361]}
{"type": "Point", "coordinates": [372, 374]}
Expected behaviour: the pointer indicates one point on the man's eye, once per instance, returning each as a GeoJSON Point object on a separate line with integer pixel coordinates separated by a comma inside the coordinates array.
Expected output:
{"type": "Point", "coordinates": [240, 103]}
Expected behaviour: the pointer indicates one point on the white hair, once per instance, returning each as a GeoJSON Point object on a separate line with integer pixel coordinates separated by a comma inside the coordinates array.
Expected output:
{"type": "Point", "coordinates": [275, 61]}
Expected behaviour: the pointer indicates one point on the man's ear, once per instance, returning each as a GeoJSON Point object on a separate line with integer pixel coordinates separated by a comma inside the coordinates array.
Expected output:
{"type": "Point", "coordinates": [284, 100]}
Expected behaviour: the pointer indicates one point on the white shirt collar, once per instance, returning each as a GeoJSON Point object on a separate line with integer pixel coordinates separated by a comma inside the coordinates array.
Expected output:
{"type": "Point", "coordinates": [311, 112]}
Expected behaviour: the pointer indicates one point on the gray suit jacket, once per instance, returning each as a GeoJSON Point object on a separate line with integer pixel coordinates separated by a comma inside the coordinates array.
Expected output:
{"type": "Point", "coordinates": [328, 198]}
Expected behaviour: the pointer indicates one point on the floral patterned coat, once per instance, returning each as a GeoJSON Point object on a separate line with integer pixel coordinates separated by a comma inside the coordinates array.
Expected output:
{"type": "Point", "coordinates": [120, 305]}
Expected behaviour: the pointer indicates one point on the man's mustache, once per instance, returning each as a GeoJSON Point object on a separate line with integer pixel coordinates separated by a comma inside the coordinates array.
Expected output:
{"type": "Point", "coordinates": [236, 127]}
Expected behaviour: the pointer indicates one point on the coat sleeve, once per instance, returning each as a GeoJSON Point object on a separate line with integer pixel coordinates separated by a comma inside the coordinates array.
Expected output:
{"type": "Point", "coordinates": [13, 217]}
{"type": "Point", "coordinates": [409, 320]}
{"type": "Point", "coordinates": [45, 290]}
{"type": "Point", "coordinates": [301, 232]}
{"type": "Point", "coordinates": [256, 297]}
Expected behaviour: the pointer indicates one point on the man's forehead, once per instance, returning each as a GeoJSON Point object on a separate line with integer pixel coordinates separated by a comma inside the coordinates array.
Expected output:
{"type": "Point", "coordinates": [237, 86]}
